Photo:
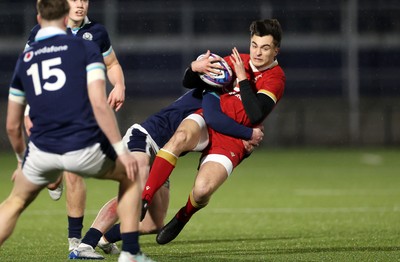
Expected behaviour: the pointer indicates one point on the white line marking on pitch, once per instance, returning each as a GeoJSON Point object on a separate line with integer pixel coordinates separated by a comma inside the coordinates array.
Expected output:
{"type": "Point", "coordinates": [251, 210]}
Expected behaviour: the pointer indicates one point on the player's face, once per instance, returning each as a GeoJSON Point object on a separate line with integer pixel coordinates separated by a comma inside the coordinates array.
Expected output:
{"type": "Point", "coordinates": [78, 10]}
{"type": "Point", "coordinates": [262, 50]}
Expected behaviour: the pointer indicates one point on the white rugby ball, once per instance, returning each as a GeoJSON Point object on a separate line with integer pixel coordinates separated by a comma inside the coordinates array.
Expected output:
{"type": "Point", "coordinates": [217, 80]}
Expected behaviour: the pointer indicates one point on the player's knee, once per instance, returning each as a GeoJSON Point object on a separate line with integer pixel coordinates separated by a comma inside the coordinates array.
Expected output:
{"type": "Point", "coordinates": [181, 136]}
{"type": "Point", "coordinates": [202, 193]}
{"type": "Point", "coordinates": [181, 141]}
{"type": "Point", "coordinates": [143, 165]}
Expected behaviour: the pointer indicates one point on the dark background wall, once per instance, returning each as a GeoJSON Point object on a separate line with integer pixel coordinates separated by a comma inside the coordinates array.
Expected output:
{"type": "Point", "coordinates": [341, 58]}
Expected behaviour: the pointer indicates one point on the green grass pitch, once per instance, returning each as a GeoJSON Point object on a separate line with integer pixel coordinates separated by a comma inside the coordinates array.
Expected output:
{"type": "Point", "coordinates": [279, 205]}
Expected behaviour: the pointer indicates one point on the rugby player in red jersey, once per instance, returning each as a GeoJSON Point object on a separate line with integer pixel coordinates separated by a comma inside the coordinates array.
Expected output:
{"type": "Point", "coordinates": [258, 87]}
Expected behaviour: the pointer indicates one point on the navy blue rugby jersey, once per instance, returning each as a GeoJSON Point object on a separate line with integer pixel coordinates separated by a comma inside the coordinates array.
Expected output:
{"type": "Point", "coordinates": [89, 30]}
{"type": "Point", "coordinates": [52, 76]}
{"type": "Point", "coordinates": [163, 124]}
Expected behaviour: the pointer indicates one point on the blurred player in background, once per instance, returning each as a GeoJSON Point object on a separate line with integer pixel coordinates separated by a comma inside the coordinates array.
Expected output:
{"type": "Point", "coordinates": [80, 26]}
{"type": "Point", "coordinates": [74, 128]}
{"type": "Point", "coordinates": [144, 141]}
{"type": "Point", "coordinates": [258, 87]}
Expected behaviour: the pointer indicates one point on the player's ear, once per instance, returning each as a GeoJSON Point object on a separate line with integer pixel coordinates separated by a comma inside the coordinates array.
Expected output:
{"type": "Point", "coordinates": [276, 51]}
{"type": "Point", "coordinates": [66, 20]}
{"type": "Point", "coordinates": [39, 19]}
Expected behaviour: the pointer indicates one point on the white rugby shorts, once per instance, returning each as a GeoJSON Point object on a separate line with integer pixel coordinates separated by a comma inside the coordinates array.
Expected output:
{"type": "Point", "coordinates": [151, 147]}
{"type": "Point", "coordinates": [203, 142]}
{"type": "Point", "coordinates": [42, 167]}
{"type": "Point", "coordinates": [221, 159]}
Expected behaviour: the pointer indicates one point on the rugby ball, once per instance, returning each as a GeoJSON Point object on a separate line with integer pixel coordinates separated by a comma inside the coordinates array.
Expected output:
{"type": "Point", "coordinates": [217, 80]}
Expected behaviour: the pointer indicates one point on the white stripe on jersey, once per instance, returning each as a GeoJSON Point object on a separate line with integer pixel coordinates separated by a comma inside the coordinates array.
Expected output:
{"type": "Point", "coordinates": [95, 71]}
{"type": "Point", "coordinates": [106, 53]}
{"type": "Point", "coordinates": [17, 96]}
{"type": "Point", "coordinates": [93, 66]}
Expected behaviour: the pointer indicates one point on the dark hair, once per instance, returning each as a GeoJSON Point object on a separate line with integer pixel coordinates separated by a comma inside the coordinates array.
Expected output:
{"type": "Point", "coordinates": [52, 9]}
{"type": "Point", "coordinates": [267, 27]}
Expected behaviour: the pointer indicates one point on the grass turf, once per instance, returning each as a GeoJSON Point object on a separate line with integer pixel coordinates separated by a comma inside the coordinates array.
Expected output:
{"type": "Point", "coordinates": [279, 205]}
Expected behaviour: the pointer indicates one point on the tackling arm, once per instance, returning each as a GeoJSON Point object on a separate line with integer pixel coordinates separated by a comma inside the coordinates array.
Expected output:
{"type": "Point", "coordinates": [219, 121]}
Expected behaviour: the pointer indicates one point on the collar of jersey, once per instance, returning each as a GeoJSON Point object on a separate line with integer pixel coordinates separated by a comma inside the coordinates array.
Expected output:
{"type": "Point", "coordinates": [48, 32]}
{"type": "Point", "coordinates": [85, 22]}
{"type": "Point", "coordinates": [273, 64]}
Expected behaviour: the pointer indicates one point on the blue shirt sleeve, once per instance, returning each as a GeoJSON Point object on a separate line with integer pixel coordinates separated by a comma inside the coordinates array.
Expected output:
{"type": "Point", "coordinates": [219, 121]}
{"type": "Point", "coordinates": [93, 52]}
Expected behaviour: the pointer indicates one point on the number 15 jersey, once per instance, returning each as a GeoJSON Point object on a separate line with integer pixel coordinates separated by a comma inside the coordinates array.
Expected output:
{"type": "Point", "coordinates": [52, 76]}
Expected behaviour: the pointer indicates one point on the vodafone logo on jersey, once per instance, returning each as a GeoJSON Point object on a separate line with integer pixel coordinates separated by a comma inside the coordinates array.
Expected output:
{"type": "Point", "coordinates": [28, 56]}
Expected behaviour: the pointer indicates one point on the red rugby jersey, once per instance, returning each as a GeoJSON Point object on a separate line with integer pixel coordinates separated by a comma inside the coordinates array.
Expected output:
{"type": "Point", "coordinates": [269, 81]}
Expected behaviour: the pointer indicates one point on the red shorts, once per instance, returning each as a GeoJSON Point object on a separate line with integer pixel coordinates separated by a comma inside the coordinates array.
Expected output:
{"type": "Point", "coordinates": [230, 147]}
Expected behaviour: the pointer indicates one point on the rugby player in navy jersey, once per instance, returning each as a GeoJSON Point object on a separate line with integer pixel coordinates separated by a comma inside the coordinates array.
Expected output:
{"type": "Point", "coordinates": [74, 128]}
{"type": "Point", "coordinates": [80, 26]}
{"type": "Point", "coordinates": [144, 141]}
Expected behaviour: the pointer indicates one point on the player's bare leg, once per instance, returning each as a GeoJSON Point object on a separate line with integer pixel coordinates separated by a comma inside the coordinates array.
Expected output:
{"type": "Point", "coordinates": [129, 200]}
{"type": "Point", "coordinates": [107, 216]}
{"type": "Point", "coordinates": [154, 219]}
{"type": "Point", "coordinates": [22, 194]}
{"type": "Point", "coordinates": [209, 178]}
{"type": "Point", "coordinates": [76, 203]}
{"type": "Point", "coordinates": [105, 219]}
{"type": "Point", "coordinates": [185, 138]}
{"type": "Point", "coordinates": [125, 207]}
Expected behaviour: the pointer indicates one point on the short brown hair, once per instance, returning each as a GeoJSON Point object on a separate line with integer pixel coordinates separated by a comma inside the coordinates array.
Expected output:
{"type": "Point", "coordinates": [52, 9]}
{"type": "Point", "coordinates": [267, 27]}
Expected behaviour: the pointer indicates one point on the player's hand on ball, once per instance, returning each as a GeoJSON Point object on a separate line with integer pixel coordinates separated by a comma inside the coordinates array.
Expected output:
{"type": "Point", "coordinates": [213, 69]}
{"type": "Point", "coordinates": [207, 65]}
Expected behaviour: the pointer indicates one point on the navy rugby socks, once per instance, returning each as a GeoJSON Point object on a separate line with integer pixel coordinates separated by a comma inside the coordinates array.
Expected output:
{"type": "Point", "coordinates": [75, 225]}
{"type": "Point", "coordinates": [114, 234]}
{"type": "Point", "coordinates": [130, 242]}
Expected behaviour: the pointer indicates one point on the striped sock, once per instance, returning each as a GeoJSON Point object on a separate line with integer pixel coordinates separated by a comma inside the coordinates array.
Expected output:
{"type": "Point", "coordinates": [160, 171]}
